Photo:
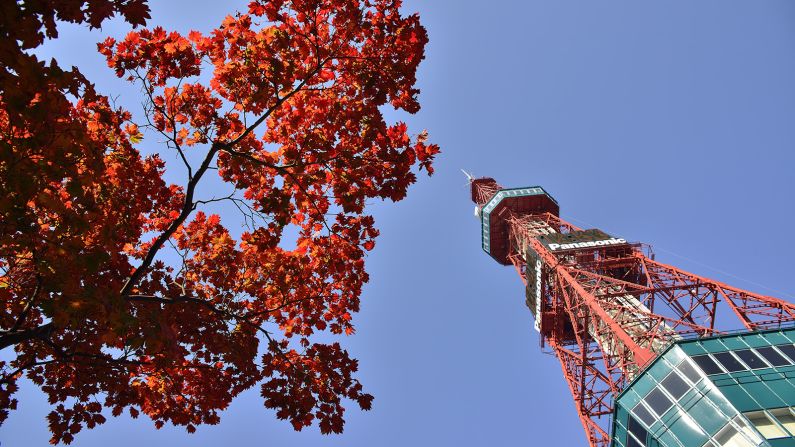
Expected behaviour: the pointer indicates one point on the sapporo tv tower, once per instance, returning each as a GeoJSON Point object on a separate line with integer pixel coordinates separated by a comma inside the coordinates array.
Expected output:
{"type": "Point", "coordinates": [641, 343]}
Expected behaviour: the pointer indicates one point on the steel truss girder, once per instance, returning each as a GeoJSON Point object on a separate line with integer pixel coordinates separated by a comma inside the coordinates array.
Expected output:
{"type": "Point", "coordinates": [590, 389]}
{"type": "Point", "coordinates": [754, 311]}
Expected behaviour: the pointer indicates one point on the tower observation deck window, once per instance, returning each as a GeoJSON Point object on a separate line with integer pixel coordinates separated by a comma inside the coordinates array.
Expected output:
{"type": "Point", "coordinates": [675, 385]}
{"type": "Point", "coordinates": [772, 356]}
{"type": "Point", "coordinates": [636, 429]}
{"type": "Point", "coordinates": [730, 437]}
{"type": "Point", "coordinates": [658, 402]}
{"type": "Point", "coordinates": [688, 371]}
{"type": "Point", "coordinates": [789, 350]}
{"type": "Point", "coordinates": [707, 365]}
{"type": "Point", "coordinates": [785, 418]}
{"type": "Point", "coordinates": [735, 434]}
{"type": "Point", "coordinates": [645, 415]}
{"type": "Point", "coordinates": [750, 358]}
{"type": "Point", "coordinates": [765, 425]}
{"type": "Point", "coordinates": [729, 362]}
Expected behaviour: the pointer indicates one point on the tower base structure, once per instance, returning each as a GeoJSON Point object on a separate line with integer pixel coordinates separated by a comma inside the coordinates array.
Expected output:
{"type": "Point", "coordinates": [735, 390]}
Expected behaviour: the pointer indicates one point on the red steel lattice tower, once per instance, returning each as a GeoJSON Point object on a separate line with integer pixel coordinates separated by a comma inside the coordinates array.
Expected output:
{"type": "Point", "coordinates": [603, 305]}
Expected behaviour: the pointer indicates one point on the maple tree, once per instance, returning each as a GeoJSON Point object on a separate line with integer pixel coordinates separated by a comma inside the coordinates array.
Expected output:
{"type": "Point", "coordinates": [119, 291]}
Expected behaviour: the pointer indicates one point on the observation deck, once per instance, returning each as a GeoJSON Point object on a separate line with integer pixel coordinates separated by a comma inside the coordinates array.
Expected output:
{"type": "Point", "coordinates": [494, 211]}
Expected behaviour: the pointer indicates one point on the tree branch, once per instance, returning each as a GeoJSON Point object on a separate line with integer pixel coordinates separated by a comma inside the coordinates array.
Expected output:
{"type": "Point", "coordinates": [10, 338]}
{"type": "Point", "coordinates": [187, 208]}
{"type": "Point", "coordinates": [188, 204]}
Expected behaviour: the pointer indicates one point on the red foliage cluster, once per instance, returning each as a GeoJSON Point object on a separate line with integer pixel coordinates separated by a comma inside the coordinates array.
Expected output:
{"type": "Point", "coordinates": [119, 292]}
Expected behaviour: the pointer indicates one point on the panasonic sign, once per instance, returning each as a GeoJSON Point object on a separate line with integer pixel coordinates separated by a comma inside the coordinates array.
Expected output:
{"type": "Point", "coordinates": [588, 244]}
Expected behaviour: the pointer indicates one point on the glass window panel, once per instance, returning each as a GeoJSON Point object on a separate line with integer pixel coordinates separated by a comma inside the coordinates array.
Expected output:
{"type": "Point", "coordinates": [688, 371]}
{"type": "Point", "coordinates": [688, 431]}
{"type": "Point", "coordinates": [738, 441]}
{"type": "Point", "coordinates": [752, 434]}
{"type": "Point", "coordinates": [707, 365]}
{"type": "Point", "coordinates": [631, 442]}
{"type": "Point", "coordinates": [751, 359]}
{"type": "Point", "coordinates": [658, 402]}
{"type": "Point", "coordinates": [785, 418]}
{"type": "Point", "coordinates": [668, 439]}
{"type": "Point", "coordinates": [772, 356]}
{"type": "Point", "coordinates": [746, 430]}
{"type": "Point", "coordinates": [765, 425]}
{"type": "Point", "coordinates": [674, 356]}
{"type": "Point", "coordinates": [729, 362]}
{"type": "Point", "coordinates": [725, 434]}
{"type": "Point", "coordinates": [708, 417]}
{"type": "Point", "coordinates": [675, 385]}
{"type": "Point", "coordinates": [730, 437]}
{"type": "Point", "coordinates": [774, 337]}
{"type": "Point", "coordinates": [636, 429]}
{"type": "Point", "coordinates": [643, 414]}
{"type": "Point", "coordinates": [718, 397]}
{"type": "Point", "coordinates": [789, 350]}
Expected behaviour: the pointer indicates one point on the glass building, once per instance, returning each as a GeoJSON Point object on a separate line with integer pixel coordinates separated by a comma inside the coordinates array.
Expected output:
{"type": "Point", "coordinates": [733, 390]}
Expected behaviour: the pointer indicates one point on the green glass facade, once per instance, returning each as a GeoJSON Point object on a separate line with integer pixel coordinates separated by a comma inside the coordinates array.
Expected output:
{"type": "Point", "coordinates": [734, 390]}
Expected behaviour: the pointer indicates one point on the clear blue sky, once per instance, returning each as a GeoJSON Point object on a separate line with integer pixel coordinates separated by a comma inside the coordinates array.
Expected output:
{"type": "Point", "coordinates": [668, 122]}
